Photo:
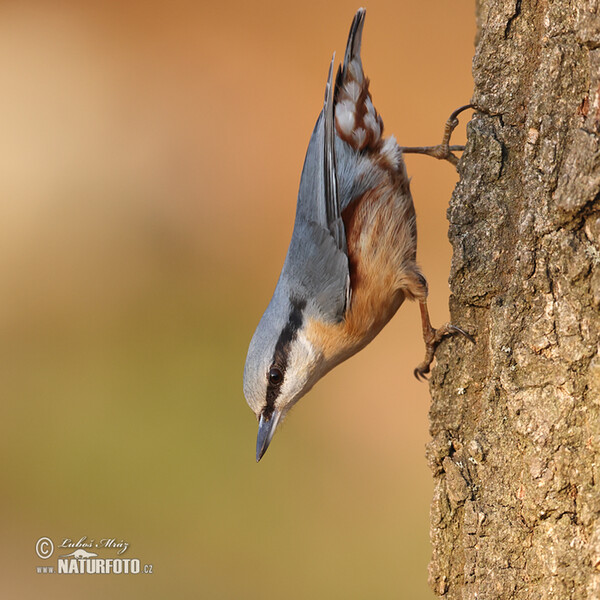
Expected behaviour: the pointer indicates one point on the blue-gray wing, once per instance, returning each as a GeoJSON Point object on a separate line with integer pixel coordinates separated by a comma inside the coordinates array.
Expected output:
{"type": "Point", "coordinates": [319, 196]}
{"type": "Point", "coordinates": [334, 174]}
{"type": "Point", "coordinates": [316, 266]}
{"type": "Point", "coordinates": [316, 271]}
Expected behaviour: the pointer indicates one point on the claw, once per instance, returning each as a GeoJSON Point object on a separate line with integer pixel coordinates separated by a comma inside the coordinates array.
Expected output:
{"type": "Point", "coordinates": [452, 329]}
{"type": "Point", "coordinates": [420, 375]}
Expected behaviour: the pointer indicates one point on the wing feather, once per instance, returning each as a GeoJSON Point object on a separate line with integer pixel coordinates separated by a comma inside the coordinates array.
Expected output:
{"type": "Point", "coordinates": [333, 209]}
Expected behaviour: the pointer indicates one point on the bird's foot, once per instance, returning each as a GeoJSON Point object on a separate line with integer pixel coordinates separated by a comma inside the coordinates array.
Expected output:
{"type": "Point", "coordinates": [432, 338]}
{"type": "Point", "coordinates": [442, 151]}
{"type": "Point", "coordinates": [432, 341]}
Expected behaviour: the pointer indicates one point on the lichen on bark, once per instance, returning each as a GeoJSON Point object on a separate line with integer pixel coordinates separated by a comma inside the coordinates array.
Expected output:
{"type": "Point", "coordinates": [515, 419]}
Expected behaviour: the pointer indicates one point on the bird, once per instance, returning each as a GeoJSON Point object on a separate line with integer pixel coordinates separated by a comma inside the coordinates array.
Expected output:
{"type": "Point", "coordinates": [351, 262]}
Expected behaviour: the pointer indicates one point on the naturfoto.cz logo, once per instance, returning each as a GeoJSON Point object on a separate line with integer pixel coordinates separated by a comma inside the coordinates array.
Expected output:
{"type": "Point", "coordinates": [80, 558]}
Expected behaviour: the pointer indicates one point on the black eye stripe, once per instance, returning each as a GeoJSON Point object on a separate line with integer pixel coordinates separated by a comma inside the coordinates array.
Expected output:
{"type": "Point", "coordinates": [280, 355]}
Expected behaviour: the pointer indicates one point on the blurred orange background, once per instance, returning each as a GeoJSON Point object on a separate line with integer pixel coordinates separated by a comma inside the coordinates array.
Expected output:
{"type": "Point", "coordinates": [150, 156]}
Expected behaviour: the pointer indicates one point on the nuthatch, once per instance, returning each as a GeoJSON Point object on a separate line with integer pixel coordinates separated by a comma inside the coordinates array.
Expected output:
{"type": "Point", "coordinates": [351, 262]}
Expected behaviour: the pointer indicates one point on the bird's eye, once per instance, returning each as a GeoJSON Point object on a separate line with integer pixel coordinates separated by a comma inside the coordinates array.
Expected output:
{"type": "Point", "coordinates": [275, 376]}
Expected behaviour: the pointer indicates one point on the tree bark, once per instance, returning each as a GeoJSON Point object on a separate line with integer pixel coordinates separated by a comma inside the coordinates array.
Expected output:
{"type": "Point", "coordinates": [515, 419]}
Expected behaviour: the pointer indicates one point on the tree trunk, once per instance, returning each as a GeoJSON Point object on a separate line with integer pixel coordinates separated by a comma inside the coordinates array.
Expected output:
{"type": "Point", "coordinates": [515, 419]}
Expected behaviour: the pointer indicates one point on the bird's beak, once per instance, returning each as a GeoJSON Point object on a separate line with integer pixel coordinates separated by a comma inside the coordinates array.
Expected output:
{"type": "Point", "coordinates": [266, 431]}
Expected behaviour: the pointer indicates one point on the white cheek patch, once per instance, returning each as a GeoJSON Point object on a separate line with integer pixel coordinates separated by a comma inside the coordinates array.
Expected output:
{"type": "Point", "coordinates": [300, 366]}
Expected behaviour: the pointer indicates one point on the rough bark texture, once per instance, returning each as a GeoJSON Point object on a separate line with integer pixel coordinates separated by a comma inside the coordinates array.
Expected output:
{"type": "Point", "coordinates": [515, 420]}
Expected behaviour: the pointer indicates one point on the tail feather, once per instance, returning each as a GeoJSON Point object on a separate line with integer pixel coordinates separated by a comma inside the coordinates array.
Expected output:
{"type": "Point", "coordinates": [352, 54]}
{"type": "Point", "coordinates": [357, 121]}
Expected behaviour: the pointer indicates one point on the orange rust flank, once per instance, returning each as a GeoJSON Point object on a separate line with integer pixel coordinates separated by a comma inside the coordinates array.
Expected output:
{"type": "Point", "coordinates": [381, 237]}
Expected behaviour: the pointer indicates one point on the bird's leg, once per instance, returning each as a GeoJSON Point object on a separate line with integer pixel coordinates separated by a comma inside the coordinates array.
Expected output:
{"type": "Point", "coordinates": [432, 337]}
{"type": "Point", "coordinates": [442, 151]}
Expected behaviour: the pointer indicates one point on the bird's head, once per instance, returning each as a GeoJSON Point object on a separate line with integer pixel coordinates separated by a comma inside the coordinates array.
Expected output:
{"type": "Point", "coordinates": [282, 365]}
